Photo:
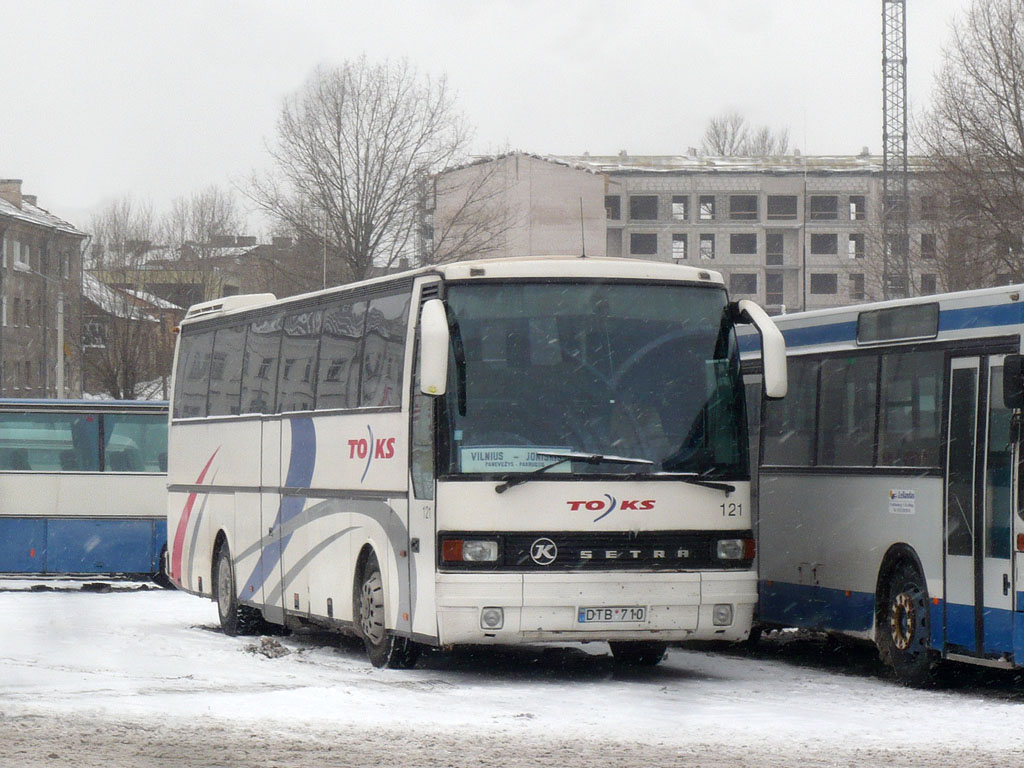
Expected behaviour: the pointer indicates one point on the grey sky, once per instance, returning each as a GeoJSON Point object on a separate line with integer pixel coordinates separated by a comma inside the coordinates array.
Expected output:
{"type": "Point", "coordinates": [111, 97]}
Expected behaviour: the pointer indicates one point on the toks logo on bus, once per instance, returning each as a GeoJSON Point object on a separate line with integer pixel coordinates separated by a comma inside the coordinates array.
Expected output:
{"type": "Point", "coordinates": [609, 504]}
{"type": "Point", "coordinates": [370, 449]}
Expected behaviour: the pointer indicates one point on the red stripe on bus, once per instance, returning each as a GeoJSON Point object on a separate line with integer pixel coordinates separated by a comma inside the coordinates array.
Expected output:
{"type": "Point", "coordinates": [179, 534]}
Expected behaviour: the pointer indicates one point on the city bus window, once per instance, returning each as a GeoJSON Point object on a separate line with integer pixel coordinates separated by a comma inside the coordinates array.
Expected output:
{"type": "Point", "coordinates": [997, 472]}
{"type": "Point", "coordinates": [910, 419]}
{"type": "Point", "coordinates": [338, 370]}
{"type": "Point", "coordinates": [135, 442]}
{"type": "Point", "coordinates": [846, 411]}
{"type": "Point", "coordinates": [262, 352]}
{"type": "Point", "coordinates": [789, 423]}
{"type": "Point", "coordinates": [49, 442]}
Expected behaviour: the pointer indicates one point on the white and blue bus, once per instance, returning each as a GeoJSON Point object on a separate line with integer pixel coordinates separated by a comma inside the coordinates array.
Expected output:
{"type": "Point", "coordinates": [501, 451]}
{"type": "Point", "coordinates": [888, 490]}
{"type": "Point", "coordinates": [83, 487]}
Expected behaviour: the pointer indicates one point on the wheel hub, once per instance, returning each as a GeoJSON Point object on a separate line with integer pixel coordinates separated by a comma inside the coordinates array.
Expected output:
{"type": "Point", "coordinates": [903, 621]}
{"type": "Point", "coordinates": [371, 609]}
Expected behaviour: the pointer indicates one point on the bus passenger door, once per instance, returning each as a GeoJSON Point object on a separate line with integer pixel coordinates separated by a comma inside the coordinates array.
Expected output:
{"type": "Point", "coordinates": [978, 578]}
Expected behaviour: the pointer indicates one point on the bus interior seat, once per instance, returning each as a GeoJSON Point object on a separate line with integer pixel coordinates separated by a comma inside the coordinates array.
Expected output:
{"type": "Point", "coordinates": [69, 460]}
{"type": "Point", "coordinates": [124, 461]}
{"type": "Point", "coordinates": [162, 461]}
{"type": "Point", "coordinates": [17, 458]}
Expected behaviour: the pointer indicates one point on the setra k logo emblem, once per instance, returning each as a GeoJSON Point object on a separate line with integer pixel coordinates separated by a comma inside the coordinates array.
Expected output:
{"type": "Point", "coordinates": [543, 551]}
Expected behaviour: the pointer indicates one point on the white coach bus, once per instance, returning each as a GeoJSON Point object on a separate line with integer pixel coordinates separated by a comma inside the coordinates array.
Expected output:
{"type": "Point", "coordinates": [501, 451]}
{"type": "Point", "coordinates": [888, 501]}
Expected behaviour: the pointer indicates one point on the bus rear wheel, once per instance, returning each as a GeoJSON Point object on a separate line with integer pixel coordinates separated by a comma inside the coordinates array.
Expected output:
{"type": "Point", "coordinates": [904, 627]}
{"type": "Point", "coordinates": [644, 653]}
{"type": "Point", "coordinates": [235, 619]}
{"type": "Point", "coordinates": [382, 647]}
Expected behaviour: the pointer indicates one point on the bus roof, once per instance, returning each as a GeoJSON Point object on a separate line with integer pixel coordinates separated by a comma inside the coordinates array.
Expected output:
{"type": "Point", "coordinates": [532, 267]}
{"type": "Point", "coordinates": [963, 314]}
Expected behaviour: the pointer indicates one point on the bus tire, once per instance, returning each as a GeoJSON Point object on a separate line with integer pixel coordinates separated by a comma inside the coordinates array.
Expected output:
{"type": "Point", "coordinates": [905, 627]}
{"type": "Point", "coordinates": [641, 653]}
{"type": "Point", "coordinates": [235, 619]}
{"type": "Point", "coordinates": [382, 647]}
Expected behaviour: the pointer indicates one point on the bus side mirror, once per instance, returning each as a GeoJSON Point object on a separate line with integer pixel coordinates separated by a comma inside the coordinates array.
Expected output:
{"type": "Point", "coordinates": [773, 347]}
{"type": "Point", "coordinates": [434, 341]}
{"type": "Point", "coordinates": [1013, 382]}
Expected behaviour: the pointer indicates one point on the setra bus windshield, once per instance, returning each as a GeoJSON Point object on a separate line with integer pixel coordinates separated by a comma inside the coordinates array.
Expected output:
{"type": "Point", "coordinates": [646, 375]}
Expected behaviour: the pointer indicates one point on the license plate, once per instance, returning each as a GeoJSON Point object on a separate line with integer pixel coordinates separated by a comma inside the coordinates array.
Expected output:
{"type": "Point", "coordinates": [612, 615]}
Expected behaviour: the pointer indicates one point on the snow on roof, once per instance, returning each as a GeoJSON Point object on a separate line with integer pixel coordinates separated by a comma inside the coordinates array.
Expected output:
{"type": "Point", "coordinates": [697, 163]}
{"type": "Point", "coordinates": [569, 162]}
{"type": "Point", "coordinates": [33, 214]}
{"type": "Point", "coordinates": [124, 303]}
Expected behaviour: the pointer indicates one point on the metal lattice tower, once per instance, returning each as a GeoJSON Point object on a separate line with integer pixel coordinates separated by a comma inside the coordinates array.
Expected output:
{"type": "Point", "coordinates": [895, 202]}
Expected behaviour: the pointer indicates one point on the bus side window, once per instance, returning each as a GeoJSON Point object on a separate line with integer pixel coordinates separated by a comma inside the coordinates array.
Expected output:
{"type": "Point", "coordinates": [226, 371]}
{"type": "Point", "coordinates": [789, 423]}
{"type": "Point", "coordinates": [340, 352]}
{"type": "Point", "coordinates": [193, 374]}
{"type": "Point", "coordinates": [295, 387]}
{"type": "Point", "coordinates": [910, 430]}
{"type": "Point", "coordinates": [846, 411]}
{"type": "Point", "coordinates": [262, 354]}
{"type": "Point", "coordinates": [384, 351]}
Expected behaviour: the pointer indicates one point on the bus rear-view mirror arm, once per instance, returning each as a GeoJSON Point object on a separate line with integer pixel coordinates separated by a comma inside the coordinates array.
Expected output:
{"type": "Point", "coordinates": [773, 347]}
{"type": "Point", "coordinates": [434, 341]}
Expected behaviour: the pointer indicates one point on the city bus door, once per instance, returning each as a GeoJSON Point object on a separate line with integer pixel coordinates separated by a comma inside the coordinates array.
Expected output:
{"type": "Point", "coordinates": [979, 598]}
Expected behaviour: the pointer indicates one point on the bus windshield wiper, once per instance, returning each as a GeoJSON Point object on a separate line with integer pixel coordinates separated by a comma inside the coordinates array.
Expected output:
{"type": "Point", "coordinates": [560, 457]}
{"type": "Point", "coordinates": [702, 479]}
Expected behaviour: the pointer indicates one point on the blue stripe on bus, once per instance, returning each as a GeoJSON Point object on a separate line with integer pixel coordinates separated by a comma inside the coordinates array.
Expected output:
{"type": "Point", "coordinates": [81, 545]}
{"type": "Point", "coordinates": [949, 320]}
{"type": "Point", "coordinates": [301, 461]}
{"type": "Point", "coordinates": [811, 607]}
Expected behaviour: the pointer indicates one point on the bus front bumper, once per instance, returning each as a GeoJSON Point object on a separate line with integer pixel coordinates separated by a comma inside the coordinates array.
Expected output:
{"type": "Point", "coordinates": [567, 607]}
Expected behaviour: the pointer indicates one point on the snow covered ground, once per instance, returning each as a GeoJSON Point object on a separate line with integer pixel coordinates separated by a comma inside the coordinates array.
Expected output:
{"type": "Point", "coordinates": [141, 677]}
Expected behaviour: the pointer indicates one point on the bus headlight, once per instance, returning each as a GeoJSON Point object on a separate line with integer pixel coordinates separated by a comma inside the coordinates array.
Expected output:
{"type": "Point", "coordinates": [721, 615]}
{"type": "Point", "coordinates": [469, 550]}
{"type": "Point", "coordinates": [492, 618]}
{"type": "Point", "coordinates": [735, 549]}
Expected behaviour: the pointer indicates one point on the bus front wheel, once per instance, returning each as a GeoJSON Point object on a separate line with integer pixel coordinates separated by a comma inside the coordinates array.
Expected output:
{"type": "Point", "coordinates": [382, 647]}
{"type": "Point", "coordinates": [904, 628]}
{"type": "Point", "coordinates": [639, 653]}
{"type": "Point", "coordinates": [235, 619]}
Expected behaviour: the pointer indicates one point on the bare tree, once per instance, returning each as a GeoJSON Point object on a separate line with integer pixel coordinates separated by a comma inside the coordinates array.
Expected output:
{"type": "Point", "coordinates": [200, 218]}
{"type": "Point", "coordinates": [354, 147]}
{"type": "Point", "coordinates": [973, 135]}
{"type": "Point", "coordinates": [121, 334]}
{"type": "Point", "coordinates": [729, 135]}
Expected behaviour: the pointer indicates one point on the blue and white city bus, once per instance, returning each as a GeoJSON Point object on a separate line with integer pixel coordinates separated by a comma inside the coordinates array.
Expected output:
{"type": "Point", "coordinates": [501, 451]}
{"type": "Point", "coordinates": [83, 487]}
{"type": "Point", "coordinates": [888, 491]}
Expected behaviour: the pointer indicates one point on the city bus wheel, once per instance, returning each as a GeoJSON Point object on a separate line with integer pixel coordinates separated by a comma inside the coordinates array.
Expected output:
{"type": "Point", "coordinates": [160, 578]}
{"type": "Point", "coordinates": [904, 626]}
{"type": "Point", "coordinates": [382, 647]}
{"type": "Point", "coordinates": [638, 654]}
{"type": "Point", "coordinates": [235, 619]}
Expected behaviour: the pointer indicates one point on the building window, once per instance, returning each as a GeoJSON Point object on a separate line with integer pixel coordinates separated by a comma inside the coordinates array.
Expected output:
{"type": "Point", "coordinates": [612, 207]}
{"type": "Point", "coordinates": [679, 246]}
{"type": "Point", "coordinates": [16, 319]}
{"type": "Point", "coordinates": [743, 282]}
{"type": "Point", "coordinates": [825, 245]}
{"type": "Point", "coordinates": [94, 334]}
{"type": "Point", "coordinates": [824, 283]}
{"type": "Point", "coordinates": [773, 249]}
{"type": "Point", "coordinates": [28, 311]}
{"type": "Point", "coordinates": [743, 207]}
{"type": "Point", "coordinates": [743, 244]}
{"type": "Point", "coordinates": [781, 207]}
{"type": "Point", "coordinates": [643, 243]}
{"type": "Point", "coordinates": [707, 208]}
{"type": "Point", "coordinates": [855, 246]}
{"type": "Point", "coordinates": [927, 245]}
{"type": "Point", "coordinates": [773, 289]}
{"type": "Point", "coordinates": [643, 207]}
{"type": "Point", "coordinates": [857, 287]}
{"type": "Point", "coordinates": [824, 207]}
{"type": "Point", "coordinates": [681, 207]}
{"type": "Point", "coordinates": [928, 284]}
{"type": "Point", "coordinates": [858, 208]}
{"type": "Point", "coordinates": [707, 246]}
{"type": "Point", "coordinates": [929, 207]}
